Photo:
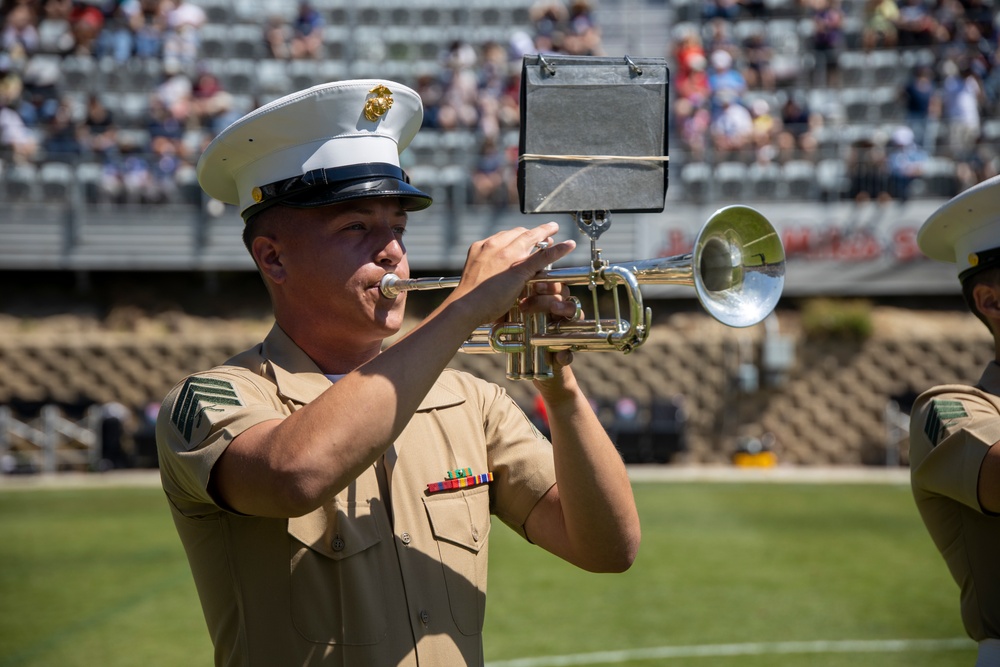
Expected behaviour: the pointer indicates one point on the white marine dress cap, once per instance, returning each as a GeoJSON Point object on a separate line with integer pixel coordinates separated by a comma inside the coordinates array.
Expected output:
{"type": "Point", "coordinates": [324, 145]}
{"type": "Point", "coordinates": [965, 230]}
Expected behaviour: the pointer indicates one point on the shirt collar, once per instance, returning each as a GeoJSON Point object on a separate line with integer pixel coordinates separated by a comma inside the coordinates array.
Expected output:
{"type": "Point", "coordinates": [300, 379]}
{"type": "Point", "coordinates": [990, 381]}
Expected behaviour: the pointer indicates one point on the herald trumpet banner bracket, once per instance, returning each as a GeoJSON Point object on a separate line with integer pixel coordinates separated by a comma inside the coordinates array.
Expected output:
{"type": "Point", "coordinates": [593, 141]}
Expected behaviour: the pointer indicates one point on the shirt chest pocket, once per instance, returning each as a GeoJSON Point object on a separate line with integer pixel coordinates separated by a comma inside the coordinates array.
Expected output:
{"type": "Point", "coordinates": [460, 523]}
{"type": "Point", "coordinates": [337, 595]}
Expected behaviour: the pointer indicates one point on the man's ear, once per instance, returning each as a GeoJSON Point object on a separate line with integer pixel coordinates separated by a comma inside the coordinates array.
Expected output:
{"type": "Point", "coordinates": [266, 252]}
{"type": "Point", "coordinates": [987, 299]}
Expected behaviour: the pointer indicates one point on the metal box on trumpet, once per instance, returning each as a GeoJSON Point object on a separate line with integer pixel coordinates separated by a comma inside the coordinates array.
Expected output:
{"type": "Point", "coordinates": [593, 134]}
{"type": "Point", "coordinates": [593, 141]}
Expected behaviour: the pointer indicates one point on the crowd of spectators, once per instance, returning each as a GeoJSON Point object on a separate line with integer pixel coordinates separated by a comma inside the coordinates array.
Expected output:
{"type": "Point", "coordinates": [734, 97]}
{"type": "Point", "coordinates": [736, 101]}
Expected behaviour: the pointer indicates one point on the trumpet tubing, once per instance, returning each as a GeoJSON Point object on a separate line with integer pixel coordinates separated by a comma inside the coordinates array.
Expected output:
{"type": "Point", "coordinates": [737, 268]}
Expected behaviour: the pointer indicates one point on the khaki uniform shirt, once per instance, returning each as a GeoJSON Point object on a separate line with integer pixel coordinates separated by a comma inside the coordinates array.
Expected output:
{"type": "Point", "coordinates": [951, 429]}
{"type": "Point", "coordinates": [386, 573]}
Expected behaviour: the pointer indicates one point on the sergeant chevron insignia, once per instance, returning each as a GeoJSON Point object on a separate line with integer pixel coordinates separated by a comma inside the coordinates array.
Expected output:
{"type": "Point", "coordinates": [200, 395]}
{"type": "Point", "coordinates": [942, 414]}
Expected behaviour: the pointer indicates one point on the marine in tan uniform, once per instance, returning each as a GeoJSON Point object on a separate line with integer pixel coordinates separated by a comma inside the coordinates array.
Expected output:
{"type": "Point", "coordinates": [334, 498]}
{"type": "Point", "coordinates": [955, 465]}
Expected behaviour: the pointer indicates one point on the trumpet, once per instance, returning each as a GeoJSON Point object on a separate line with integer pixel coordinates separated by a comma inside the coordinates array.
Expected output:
{"type": "Point", "coordinates": [737, 268]}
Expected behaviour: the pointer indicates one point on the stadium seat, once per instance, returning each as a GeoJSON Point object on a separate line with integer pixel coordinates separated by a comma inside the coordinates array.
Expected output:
{"type": "Point", "coordinates": [21, 183]}
{"type": "Point", "coordinates": [56, 181]}
{"type": "Point", "coordinates": [697, 180]}
{"type": "Point", "coordinates": [731, 177]}
{"type": "Point", "coordinates": [940, 177]}
{"type": "Point", "coordinates": [218, 11]}
{"type": "Point", "coordinates": [88, 179]}
{"type": "Point", "coordinates": [79, 72]}
{"type": "Point", "coordinates": [853, 67]}
{"type": "Point", "coordinates": [857, 102]}
{"type": "Point", "coordinates": [799, 177]}
{"type": "Point", "coordinates": [272, 77]}
{"type": "Point", "coordinates": [763, 180]}
{"type": "Point", "coordinates": [247, 40]}
{"type": "Point", "coordinates": [886, 67]}
{"type": "Point", "coordinates": [831, 179]}
{"type": "Point", "coordinates": [214, 39]}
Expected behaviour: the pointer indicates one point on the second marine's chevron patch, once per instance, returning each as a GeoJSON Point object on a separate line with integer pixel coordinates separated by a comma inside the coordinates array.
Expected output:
{"type": "Point", "coordinates": [941, 414]}
{"type": "Point", "coordinates": [198, 395]}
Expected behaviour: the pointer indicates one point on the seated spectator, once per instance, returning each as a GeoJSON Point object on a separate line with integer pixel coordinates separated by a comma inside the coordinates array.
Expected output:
{"type": "Point", "coordinates": [757, 54]}
{"type": "Point", "coordinates": [724, 79]}
{"type": "Point", "coordinates": [728, 10]}
{"type": "Point", "coordinates": [548, 17]}
{"type": "Point", "coordinates": [797, 138]}
{"type": "Point", "coordinates": [17, 141]}
{"type": "Point", "coordinates": [879, 30]}
{"type": "Point", "coordinates": [732, 129]}
{"type": "Point", "coordinates": [307, 34]}
{"type": "Point", "coordinates": [720, 38]}
{"type": "Point", "coordinates": [40, 97]}
{"type": "Point", "coordinates": [907, 160]}
{"type": "Point", "coordinates": [765, 128]}
{"type": "Point", "coordinates": [583, 36]}
{"type": "Point", "coordinates": [87, 21]}
{"type": "Point", "coordinates": [150, 27]}
{"type": "Point", "coordinates": [182, 40]}
{"type": "Point", "coordinates": [55, 32]}
{"type": "Point", "coordinates": [163, 167]}
{"type": "Point", "coordinates": [459, 108]}
{"type": "Point", "coordinates": [117, 37]}
{"type": "Point", "coordinates": [692, 125]}
{"type": "Point", "coordinates": [867, 171]}
{"type": "Point", "coordinates": [828, 37]}
{"type": "Point", "coordinates": [20, 34]}
{"type": "Point", "coordinates": [62, 135]}
{"type": "Point", "coordinates": [99, 134]}
{"type": "Point", "coordinates": [922, 104]}
{"type": "Point", "coordinates": [691, 78]}
{"type": "Point", "coordinates": [489, 177]}
{"type": "Point", "coordinates": [693, 96]}
{"type": "Point", "coordinates": [431, 91]}
{"type": "Point", "coordinates": [276, 35]}
{"type": "Point", "coordinates": [756, 9]}
{"type": "Point", "coordinates": [211, 105]}
{"type": "Point", "coordinates": [916, 25]}
{"type": "Point", "coordinates": [963, 96]}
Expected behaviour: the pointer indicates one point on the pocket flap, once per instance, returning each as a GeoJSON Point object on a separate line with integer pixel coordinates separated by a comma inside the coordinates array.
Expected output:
{"type": "Point", "coordinates": [462, 519]}
{"type": "Point", "coordinates": [337, 531]}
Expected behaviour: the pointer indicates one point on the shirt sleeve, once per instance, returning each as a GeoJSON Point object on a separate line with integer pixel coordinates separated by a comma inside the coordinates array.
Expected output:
{"type": "Point", "coordinates": [950, 433]}
{"type": "Point", "coordinates": [197, 421]}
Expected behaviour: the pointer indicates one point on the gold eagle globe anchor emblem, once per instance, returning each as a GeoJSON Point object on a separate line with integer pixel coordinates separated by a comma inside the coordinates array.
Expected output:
{"type": "Point", "coordinates": [379, 104]}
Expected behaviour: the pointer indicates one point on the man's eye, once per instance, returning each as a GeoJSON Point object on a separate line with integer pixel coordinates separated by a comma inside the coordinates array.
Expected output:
{"type": "Point", "coordinates": [400, 230]}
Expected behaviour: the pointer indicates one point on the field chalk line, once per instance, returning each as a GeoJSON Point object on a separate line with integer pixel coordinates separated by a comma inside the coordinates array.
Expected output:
{"type": "Point", "coordinates": [729, 650]}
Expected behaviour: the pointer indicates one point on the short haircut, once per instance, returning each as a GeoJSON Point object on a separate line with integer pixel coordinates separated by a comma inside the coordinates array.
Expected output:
{"type": "Point", "coordinates": [988, 277]}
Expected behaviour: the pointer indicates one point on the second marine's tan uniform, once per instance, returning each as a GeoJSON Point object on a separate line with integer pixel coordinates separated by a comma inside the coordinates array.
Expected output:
{"type": "Point", "coordinates": [386, 573]}
{"type": "Point", "coordinates": [951, 429]}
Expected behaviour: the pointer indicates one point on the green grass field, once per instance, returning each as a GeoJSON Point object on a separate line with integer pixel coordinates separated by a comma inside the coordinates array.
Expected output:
{"type": "Point", "coordinates": [728, 574]}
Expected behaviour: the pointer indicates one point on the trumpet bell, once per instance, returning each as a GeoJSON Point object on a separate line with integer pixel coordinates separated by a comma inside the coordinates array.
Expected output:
{"type": "Point", "coordinates": [738, 266]}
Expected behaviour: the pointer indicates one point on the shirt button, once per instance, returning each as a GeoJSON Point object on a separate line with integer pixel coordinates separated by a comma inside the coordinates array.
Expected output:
{"type": "Point", "coordinates": [405, 537]}
{"type": "Point", "coordinates": [425, 616]}
{"type": "Point", "coordinates": [338, 543]}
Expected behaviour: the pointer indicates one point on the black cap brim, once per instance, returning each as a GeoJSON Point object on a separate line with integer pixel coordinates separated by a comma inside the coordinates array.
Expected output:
{"type": "Point", "coordinates": [325, 187]}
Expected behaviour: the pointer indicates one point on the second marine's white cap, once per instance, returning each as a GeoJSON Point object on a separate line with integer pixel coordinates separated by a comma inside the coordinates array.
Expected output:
{"type": "Point", "coordinates": [966, 230]}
